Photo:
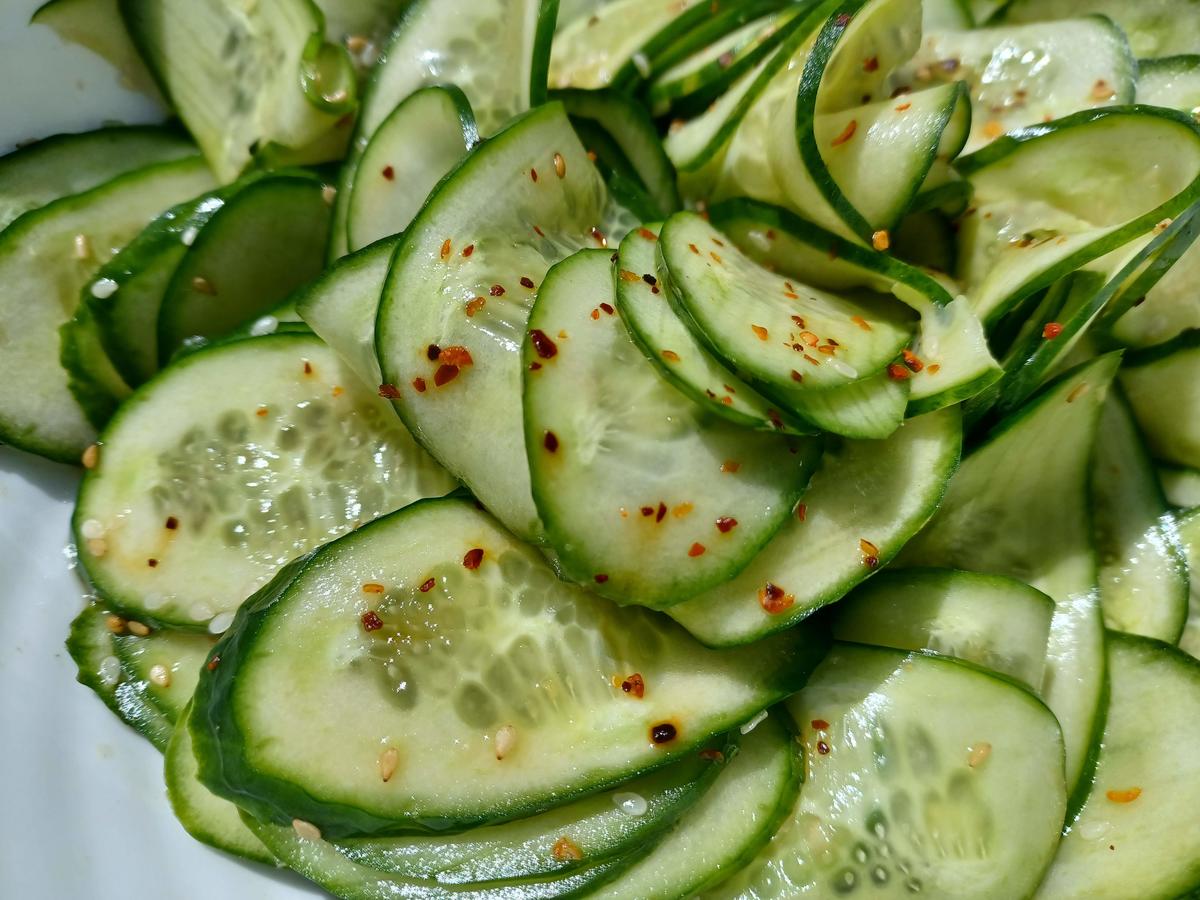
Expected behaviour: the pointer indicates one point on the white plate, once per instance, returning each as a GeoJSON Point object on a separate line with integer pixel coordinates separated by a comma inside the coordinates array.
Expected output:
{"type": "Point", "coordinates": [83, 811]}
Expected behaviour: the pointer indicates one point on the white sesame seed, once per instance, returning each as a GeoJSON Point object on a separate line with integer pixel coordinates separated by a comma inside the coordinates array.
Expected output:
{"type": "Point", "coordinates": [1094, 831]}
{"type": "Point", "coordinates": [842, 368]}
{"type": "Point", "coordinates": [82, 247]}
{"type": "Point", "coordinates": [388, 760]}
{"type": "Point", "coordinates": [506, 740]}
{"type": "Point", "coordinates": [306, 831]}
{"type": "Point", "coordinates": [264, 325]}
{"type": "Point", "coordinates": [642, 64]}
{"type": "Point", "coordinates": [154, 600]}
{"type": "Point", "coordinates": [630, 803]}
{"type": "Point", "coordinates": [110, 671]}
{"type": "Point", "coordinates": [220, 623]}
{"type": "Point", "coordinates": [189, 235]}
{"type": "Point", "coordinates": [329, 194]}
{"type": "Point", "coordinates": [92, 528]}
{"type": "Point", "coordinates": [753, 723]}
{"type": "Point", "coordinates": [97, 547]}
{"type": "Point", "coordinates": [201, 612]}
{"type": "Point", "coordinates": [138, 629]}
{"type": "Point", "coordinates": [160, 675]}
{"type": "Point", "coordinates": [103, 288]}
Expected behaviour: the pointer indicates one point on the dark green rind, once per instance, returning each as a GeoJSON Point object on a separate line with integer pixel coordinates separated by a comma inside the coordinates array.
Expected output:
{"type": "Point", "coordinates": [91, 376]}
{"type": "Point", "coordinates": [539, 63]}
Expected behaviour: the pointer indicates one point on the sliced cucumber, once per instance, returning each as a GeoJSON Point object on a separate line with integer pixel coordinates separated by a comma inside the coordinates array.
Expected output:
{"type": "Point", "coordinates": [866, 501]}
{"type": "Point", "coordinates": [464, 278]}
{"type": "Point", "coordinates": [729, 826]}
{"type": "Point", "coordinates": [1181, 487]}
{"type": "Point", "coordinates": [97, 25]}
{"type": "Point", "coordinates": [73, 163]}
{"type": "Point", "coordinates": [960, 797]}
{"type": "Point", "coordinates": [995, 622]}
{"type": "Point", "coordinates": [945, 15]}
{"type": "Point", "coordinates": [1143, 567]}
{"type": "Point", "coordinates": [502, 697]}
{"type": "Point", "coordinates": [264, 242]}
{"type": "Point", "coordinates": [1155, 27]}
{"type": "Point", "coordinates": [229, 464]}
{"type": "Point", "coordinates": [168, 661]}
{"type": "Point", "coordinates": [646, 498]}
{"type": "Point", "coordinates": [1163, 387]}
{"type": "Point", "coordinates": [1172, 81]}
{"type": "Point", "coordinates": [43, 274]}
{"type": "Point", "coordinates": [396, 174]}
{"type": "Point", "coordinates": [1038, 459]}
{"type": "Point", "coordinates": [92, 378]}
{"type": "Point", "coordinates": [1189, 534]}
{"type": "Point", "coordinates": [1135, 836]}
{"type": "Point", "coordinates": [346, 20]}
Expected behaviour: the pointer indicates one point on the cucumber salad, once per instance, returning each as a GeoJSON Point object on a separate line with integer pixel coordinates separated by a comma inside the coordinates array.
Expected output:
{"type": "Point", "coordinates": [643, 449]}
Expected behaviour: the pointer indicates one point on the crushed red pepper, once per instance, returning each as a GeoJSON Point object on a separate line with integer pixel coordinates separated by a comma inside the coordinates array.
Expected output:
{"type": "Point", "coordinates": [473, 558]}
{"type": "Point", "coordinates": [601, 578]}
{"type": "Point", "coordinates": [426, 586]}
{"type": "Point", "coordinates": [418, 385]}
{"type": "Point", "coordinates": [389, 391]}
{"type": "Point", "coordinates": [545, 347]}
{"type": "Point", "coordinates": [847, 133]}
{"type": "Point", "coordinates": [696, 549]}
{"type": "Point", "coordinates": [726, 524]}
{"type": "Point", "coordinates": [445, 374]}
{"type": "Point", "coordinates": [371, 621]}
{"type": "Point", "coordinates": [1052, 330]}
{"type": "Point", "coordinates": [634, 685]}
{"type": "Point", "coordinates": [663, 733]}
{"type": "Point", "coordinates": [550, 442]}
{"type": "Point", "coordinates": [774, 599]}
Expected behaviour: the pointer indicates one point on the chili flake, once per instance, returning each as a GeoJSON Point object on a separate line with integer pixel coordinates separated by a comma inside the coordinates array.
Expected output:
{"type": "Point", "coordinates": [881, 240]}
{"type": "Point", "coordinates": [389, 173]}
{"type": "Point", "coordinates": [774, 599]}
{"type": "Point", "coordinates": [213, 663]}
{"type": "Point", "coordinates": [802, 511]}
{"type": "Point", "coordinates": [647, 234]}
{"type": "Point", "coordinates": [468, 250]}
{"type": "Point", "coordinates": [372, 587]}
{"type": "Point", "coordinates": [601, 578]}
{"type": "Point", "coordinates": [474, 306]}
{"type": "Point", "coordinates": [371, 621]}
{"type": "Point", "coordinates": [607, 307]}
{"type": "Point", "coordinates": [663, 733]}
{"type": "Point", "coordinates": [726, 524]}
{"type": "Point", "coordinates": [527, 282]}
{"type": "Point", "coordinates": [634, 685]}
{"type": "Point", "coordinates": [473, 558]}
{"type": "Point", "coordinates": [496, 290]}
{"type": "Point", "coordinates": [1052, 330]}
{"type": "Point", "coordinates": [871, 64]}
{"type": "Point", "coordinates": [389, 391]}
{"type": "Point", "coordinates": [445, 374]}
{"type": "Point", "coordinates": [418, 385]}
{"type": "Point", "coordinates": [713, 755]}
{"type": "Point", "coordinates": [670, 356]}
{"type": "Point", "coordinates": [550, 442]}
{"type": "Point", "coordinates": [696, 550]}
{"type": "Point", "coordinates": [819, 724]}
{"type": "Point", "coordinates": [730, 466]}
{"type": "Point", "coordinates": [822, 748]}
{"type": "Point", "coordinates": [1125, 796]}
{"type": "Point", "coordinates": [545, 347]}
{"type": "Point", "coordinates": [682, 510]}
{"type": "Point", "coordinates": [847, 133]}
{"type": "Point", "coordinates": [897, 372]}
{"type": "Point", "coordinates": [445, 252]}
{"type": "Point", "coordinates": [660, 512]}
{"type": "Point", "coordinates": [566, 849]}
{"type": "Point", "coordinates": [456, 356]}
{"type": "Point", "coordinates": [426, 586]}
{"type": "Point", "coordinates": [761, 333]}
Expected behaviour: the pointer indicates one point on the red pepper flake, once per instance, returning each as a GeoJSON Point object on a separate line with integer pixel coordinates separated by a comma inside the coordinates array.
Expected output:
{"type": "Point", "coordinates": [595, 314]}
{"type": "Point", "coordinates": [660, 512]}
{"type": "Point", "coordinates": [730, 466]}
{"type": "Point", "coordinates": [912, 361]}
{"type": "Point", "coordinates": [533, 175]}
{"type": "Point", "coordinates": [474, 306]}
{"type": "Point", "coordinates": [842, 20]}
{"type": "Point", "coordinates": [468, 250]}
{"type": "Point", "coordinates": [647, 235]}
{"type": "Point", "coordinates": [308, 369]}
{"type": "Point", "coordinates": [847, 133]}
{"type": "Point", "coordinates": [897, 372]}
{"type": "Point", "coordinates": [819, 724]}
{"type": "Point", "coordinates": [1078, 392]}
{"type": "Point", "coordinates": [774, 599]}
{"type": "Point", "coordinates": [716, 258]}
{"type": "Point", "coordinates": [601, 578]}
{"type": "Point", "coordinates": [647, 510]}
{"type": "Point", "coordinates": [634, 685]}
{"type": "Point", "coordinates": [171, 524]}
{"type": "Point", "coordinates": [565, 849]}
{"type": "Point", "coordinates": [726, 524]}
{"type": "Point", "coordinates": [682, 510]}
{"type": "Point", "coordinates": [389, 173]}
{"type": "Point", "coordinates": [527, 282]}
{"type": "Point", "coordinates": [473, 558]}
{"type": "Point", "coordinates": [822, 748]}
{"type": "Point", "coordinates": [432, 352]}
{"type": "Point", "coordinates": [539, 232]}
{"type": "Point", "coordinates": [881, 240]}
{"type": "Point", "coordinates": [712, 755]}
{"type": "Point", "coordinates": [456, 355]}
{"type": "Point", "coordinates": [761, 333]}
{"type": "Point", "coordinates": [213, 663]}
{"type": "Point", "coordinates": [445, 252]}
{"type": "Point", "coordinates": [497, 290]}
{"type": "Point", "coordinates": [670, 356]}
{"type": "Point", "coordinates": [802, 511]}
{"type": "Point", "coordinates": [550, 442]}
{"type": "Point", "coordinates": [545, 347]}
{"type": "Point", "coordinates": [791, 295]}
{"type": "Point", "coordinates": [871, 64]}
{"type": "Point", "coordinates": [534, 366]}
{"type": "Point", "coordinates": [663, 733]}
{"type": "Point", "coordinates": [694, 249]}
{"type": "Point", "coordinates": [419, 385]}
{"type": "Point", "coordinates": [870, 553]}
{"type": "Point", "coordinates": [828, 349]}
{"type": "Point", "coordinates": [371, 621]}
{"type": "Point", "coordinates": [598, 237]}
{"type": "Point", "coordinates": [650, 279]}
{"type": "Point", "coordinates": [607, 307]}
{"type": "Point", "coordinates": [261, 412]}
{"type": "Point", "coordinates": [1124, 796]}
{"type": "Point", "coordinates": [426, 586]}
{"type": "Point", "coordinates": [696, 550]}
{"type": "Point", "coordinates": [904, 107]}
{"type": "Point", "coordinates": [389, 391]}
{"type": "Point", "coordinates": [1052, 330]}
{"type": "Point", "coordinates": [796, 376]}
{"type": "Point", "coordinates": [445, 374]}
{"type": "Point", "coordinates": [152, 562]}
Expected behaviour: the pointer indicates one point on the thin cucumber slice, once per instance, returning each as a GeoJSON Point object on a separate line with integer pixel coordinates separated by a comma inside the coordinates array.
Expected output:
{"type": "Point", "coordinates": [397, 173]}
{"type": "Point", "coordinates": [730, 824]}
{"type": "Point", "coordinates": [1039, 459]}
{"type": "Point", "coordinates": [960, 797]}
{"type": "Point", "coordinates": [1021, 75]}
{"type": "Point", "coordinates": [236, 75]}
{"type": "Point", "coordinates": [1163, 387]}
{"type": "Point", "coordinates": [1143, 567]}
{"type": "Point", "coordinates": [781, 333]}
{"type": "Point", "coordinates": [1189, 534]}
{"type": "Point", "coordinates": [1180, 486]}
{"type": "Point", "coordinates": [43, 276]}
{"type": "Point", "coordinates": [168, 661]}
{"type": "Point", "coordinates": [436, 43]}
{"type": "Point", "coordinates": [998, 623]}
{"type": "Point", "coordinates": [1155, 27]}
{"type": "Point", "coordinates": [869, 409]}
{"type": "Point", "coordinates": [73, 163]}
{"type": "Point", "coordinates": [945, 15]}
{"type": "Point", "coordinates": [92, 378]}
{"type": "Point", "coordinates": [1172, 81]}
{"type": "Point", "coordinates": [90, 645]}
{"type": "Point", "coordinates": [1135, 836]}
{"type": "Point", "coordinates": [1030, 226]}
{"type": "Point", "coordinates": [97, 25]}
{"type": "Point", "coordinates": [657, 329]}
{"type": "Point", "coordinates": [264, 242]}
{"type": "Point", "coordinates": [865, 502]}
{"type": "Point", "coordinates": [178, 522]}
{"type": "Point", "coordinates": [464, 278]}
{"type": "Point", "coordinates": [646, 498]}
{"type": "Point", "coordinates": [341, 305]}
{"type": "Point", "coordinates": [503, 698]}
{"type": "Point", "coordinates": [925, 239]}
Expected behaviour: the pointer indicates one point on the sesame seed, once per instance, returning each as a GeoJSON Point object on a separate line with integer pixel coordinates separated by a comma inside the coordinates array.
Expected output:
{"type": "Point", "coordinates": [642, 64]}
{"type": "Point", "coordinates": [505, 741]}
{"type": "Point", "coordinates": [264, 325]}
{"type": "Point", "coordinates": [560, 165]}
{"type": "Point", "coordinates": [110, 671]}
{"type": "Point", "coordinates": [115, 624]}
{"type": "Point", "coordinates": [978, 754]}
{"type": "Point", "coordinates": [160, 675]}
{"type": "Point", "coordinates": [220, 623]}
{"type": "Point", "coordinates": [189, 235]}
{"type": "Point", "coordinates": [91, 456]}
{"type": "Point", "coordinates": [138, 629]}
{"type": "Point", "coordinates": [103, 288]}
{"type": "Point", "coordinates": [97, 547]}
{"type": "Point", "coordinates": [881, 240]}
{"type": "Point", "coordinates": [630, 803]}
{"type": "Point", "coordinates": [81, 247]}
{"type": "Point", "coordinates": [328, 194]}
{"type": "Point", "coordinates": [372, 587]}
{"type": "Point", "coordinates": [200, 612]}
{"type": "Point", "coordinates": [389, 759]}
{"type": "Point", "coordinates": [202, 285]}
{"type": "Point", "coordinates": [92, 528]}
{"type": "Point", "coordinates": [306, 831]}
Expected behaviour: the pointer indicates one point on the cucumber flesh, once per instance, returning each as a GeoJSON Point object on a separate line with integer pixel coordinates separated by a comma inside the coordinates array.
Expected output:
{"type": "Point", "coordinates": [865, 502]}
{"type": "Point", "coordinates": [1134, 837]}
{"type": "Point", "coordinates": [496, 203]}
{"type": "Point", "coordinates": [984, 525]}
{"type": "Point", "coordinates": [168, 661]}
{"type": "Point", "coordinates": [92, 378]}
{"type": "Point", "coordinates": [998, 623]}
{"type": "Point", "coordinates": [1155, 27]}
{"type": "Point", "coordinates": [1163, 389]}
{"type": "Point", "coordinates": [959, 798]}
{"type": "Point", "coordinates": [1189, 533]}
{"type": "Point", "coordinates": [508, 683]}
{"type": "Point", "coordinates": [646, 498]}
{"type": "Point", "coordinates": [1172, 81]}
{"type": "Point", "coordinates": [1180, 486]}
{"type": "Point", "coordinates": [177, 523]}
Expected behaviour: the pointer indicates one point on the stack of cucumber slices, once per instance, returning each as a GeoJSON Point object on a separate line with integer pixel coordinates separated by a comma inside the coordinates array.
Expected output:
{"type": "Point", "coordinates": [637, 449]}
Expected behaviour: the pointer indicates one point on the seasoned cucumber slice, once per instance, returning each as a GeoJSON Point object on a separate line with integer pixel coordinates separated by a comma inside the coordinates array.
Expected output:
{"type": "Point", "coordinates": [1143, 567]}
{"type": "Point", "coordinates": [1031, 226]}
{"type": "Point", "coordinates": [43, 275]}
{"type": "Point", "coordinates": [92, 378]}
{"type": "Point", "coordinates": [1163, 387]}
{"type": "Point", "coordinates": [1135, 837]}
{"type": "Point", "coordinates": [782, 333]}
{"type": "Point", "coordinates": [865, 502]}
{"type": "Point", "coordinates": [868, 409]}
{"type": "Point", "coordinates": [926, 777]}
{"type": "Point", "coordinates": [397, 173]}
{"type": "Point", "coordinates": [1020, 75]}
{"type": "Point", "coordinates": [464, 278]}
{"type": "Point", "coordinates": [168, 661]}
{"type": "Point", "coordinates": [265, 241]}
{"type": "Point", "coordinates": [1155, 27]}
{"type": "Point", "coordinates": [97, 25]}
{"type": "Point", "coordinates": [730, 824]}
{"type": "Point", "coordinates": [1189, 534]}
{"type": "Point", "coordinates": [501, 698]}
{"type": "Point", "coordinates": [1172, 81]}
{"type": "Point", "coordinates": [229, 464]}
{"type": "Point", "coordinates": [73, 163]}
{"type": "Point", "coordinates": [995, 622]}
{"type": "Point", "coordinates": [645, 496]}
{"type": "Point", "coordinates": [984, 525]}
{"type": "Point", "coordinates": [1180, 486]}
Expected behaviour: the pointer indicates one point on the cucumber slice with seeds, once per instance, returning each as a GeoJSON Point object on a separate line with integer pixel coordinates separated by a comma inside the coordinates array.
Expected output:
{"type": "Point", "coordinates": [645, 497]}
{"type": "Point", "coordinates": [179, 522]}
{"type": "Point", "coordinates": [464, 278]}
{"type": "Point", "coordinates": [865, 502]}
{"type": "Point", "coordinates": [502, 698]}
{"type": "Point", "coordinates": [1163, 388]}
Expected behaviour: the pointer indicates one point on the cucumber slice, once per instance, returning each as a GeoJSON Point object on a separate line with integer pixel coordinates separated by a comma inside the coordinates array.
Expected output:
{"type": "Point", "coordinates": [373, 20]}
{"type": "Point", "coordinates": [1031, 227]}
{"type": "Point", "coordinates": [397, 173]}
{"type": "Point", "coordinates": [865, 502]}
{"type": "Point", "coordinates": [730, 824]}
{"type": "Point", "coordinates": [1155, 27]}
{"type": "Point", "coordinates": [1163, 387]}
{"type": "Point", "coordinates": [613, 447]}
{"type": "Point", "coordinates": [997, 623]}
{"type": "Point", "coordinates": [168, 661]}
{"type": "Point", "coordinates": [92, 378]}
{"type": "Point", "coordinates": [73, 163]}
{"type": "Point", "coordinates": [264, 242]}
{"type": "Point", "coordinates": [1021, 75]}
{"type": "Point", "coordinates": [491, 209]}
{"type": "Point", "coordinates": [1172, 81]}
{"type": "Point", "coordinates": [1134, 837]}
{"type": "Point", "coordinates": [341, 305]}
{"type": "Point", "coordinates": [1181, 487]}
{"type": "Point", "coordinates": [43, 276]}
{"type": "Point", "coordinates": [1143, 567]}
{"type": "Point", "coordinates": [1038, 459]}
{"type": "Point", "coordinates": [945, 15]}
{"type": "Point", "coordinates": [519, 710]}
{"type": "Point", "coordinates": [177, 523]}
{"type": "Point", "coordinates": [1189, 534]}
{"type": "Point", "coordinates": [962, 797]}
